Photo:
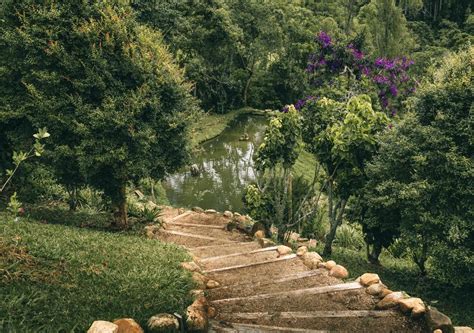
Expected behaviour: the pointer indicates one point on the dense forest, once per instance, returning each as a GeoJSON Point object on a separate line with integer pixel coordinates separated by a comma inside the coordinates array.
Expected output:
{"type": "Point", "coordinates": [99, 98]}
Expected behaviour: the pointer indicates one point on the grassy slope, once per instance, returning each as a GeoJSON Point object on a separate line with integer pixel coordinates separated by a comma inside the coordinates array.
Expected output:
{"type": "Point", "coordinates": [210, 125]}
{"type": "Point", "coordinates": [402, 274]}
{"type": "Point", "coordinates": [59, 278]}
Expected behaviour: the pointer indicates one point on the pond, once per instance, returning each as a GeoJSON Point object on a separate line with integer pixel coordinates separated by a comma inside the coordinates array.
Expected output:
{"type": "Point", "coordinates": [225, 167]}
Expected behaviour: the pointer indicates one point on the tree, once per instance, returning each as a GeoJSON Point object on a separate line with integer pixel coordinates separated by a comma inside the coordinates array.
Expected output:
{"type": "Point", "coordinates": [270, 200]}
{"type": "Point", "coordinates": [342, 137]}
{"type": "Point", "coordinates": [195, 30]}
{"type": "Point", "coordinates": [420, 183]}
{"type": "Point", "coordinates": [386, 28]}
{"type": "Point", "coordinates": [105, 86]}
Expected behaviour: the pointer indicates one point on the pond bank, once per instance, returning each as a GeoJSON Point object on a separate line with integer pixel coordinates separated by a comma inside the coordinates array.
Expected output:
{"type": "Point", "coordinates": [210, 126]}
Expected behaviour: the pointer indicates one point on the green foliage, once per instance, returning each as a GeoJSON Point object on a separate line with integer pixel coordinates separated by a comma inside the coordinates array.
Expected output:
{"type": "Point", "coordinates": [286, 203]}
{"type": "Point", "coordinates": [342, 137]}
{"type": "Point", "coordinates": [19, 157]}
{"type": "Point", "coordinates": [263, 48]}
{"type": "Point", "coordinates": [349, 237]}
{"type": "Point", "coordinates": [106, 85]}
{"type": "Point", "coordinates": [277, 199]}
{"type": "Point", "coordinates": [282, 141]}
{"type": "Point", "coordinates": [419, 183]}
{"type": "Point", "coordinates": [385, 27]}
{"type": "Point", "coordinates": [52, 272]}
{"type": "Point", "coordinates": [154, 190]}
{"type": "Point", "coordinates": [14, 205]}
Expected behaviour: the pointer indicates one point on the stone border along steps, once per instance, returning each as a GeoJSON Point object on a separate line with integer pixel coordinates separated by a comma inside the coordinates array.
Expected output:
{"type": "Point", "coordinates": [248, 285]}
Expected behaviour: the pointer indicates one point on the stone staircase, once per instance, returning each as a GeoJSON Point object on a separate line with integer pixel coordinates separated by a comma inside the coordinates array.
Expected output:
{"type": "Point", "coordinates": [245, 287]}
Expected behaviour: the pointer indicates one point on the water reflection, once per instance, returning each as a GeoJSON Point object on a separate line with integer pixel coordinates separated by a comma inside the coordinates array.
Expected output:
{"type": "Point", "coordinates": [225, 166]}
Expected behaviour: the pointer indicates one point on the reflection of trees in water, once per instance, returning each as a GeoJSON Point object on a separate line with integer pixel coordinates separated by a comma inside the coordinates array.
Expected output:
{"type": "Point", "coordinates": [226, 167]}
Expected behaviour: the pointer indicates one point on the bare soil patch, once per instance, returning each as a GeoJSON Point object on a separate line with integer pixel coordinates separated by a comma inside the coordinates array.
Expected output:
{"type": "Point", "coordinates": [397, 323]}
{"type": "Point", "coordinates": [240, 260]}
{"type": "Point", "coordinates": [336, 301]}
{"type": "Point", "coordinates": [273, 285]}
{"type": "Point", "coordinates": [259, 273]}
{"type": "Point", "coordinates": [219, 250]}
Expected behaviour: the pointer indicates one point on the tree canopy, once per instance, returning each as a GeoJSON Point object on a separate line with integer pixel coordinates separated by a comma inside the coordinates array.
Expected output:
{"type": "Point", "coordinates": [105, 86]}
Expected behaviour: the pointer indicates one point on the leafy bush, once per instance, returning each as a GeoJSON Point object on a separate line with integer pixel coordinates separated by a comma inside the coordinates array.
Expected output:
{"type": "Point", "coordinates": [349, 237]}
{"type": "Point", "coordinates": [107, 87]}
{"type": "Point", "coordinates": [419, 185]}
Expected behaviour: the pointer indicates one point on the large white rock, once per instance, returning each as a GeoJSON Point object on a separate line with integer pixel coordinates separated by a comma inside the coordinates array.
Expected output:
{"type": "Point", "coordinates": [390, 301]}
{"type": "Point", "coordinates": [302, 250]}
{"type": "Point", "coordinates": [284, 250]}
{"type": "Point", "coordinates": [163, 322]}
{"type": "Point", "coordinates": [102, 326]}
{"type": "Point", "coordinates": [312, 260]}
{"type": "Point", "coordinates": [368, 279]}
{"type": "Point", "coordinates": [330, 264]}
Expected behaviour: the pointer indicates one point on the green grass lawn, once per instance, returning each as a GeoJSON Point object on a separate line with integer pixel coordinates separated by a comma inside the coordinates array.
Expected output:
{"type": "Point", "coordinates": [56, 278]}
{"type": "Point", "coordinates": [211, 125]}
{"type": "Point", "coordinates": [402, 274]}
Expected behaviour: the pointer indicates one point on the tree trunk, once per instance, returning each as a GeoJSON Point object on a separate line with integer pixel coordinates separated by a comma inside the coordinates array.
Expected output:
{"type": "Point", "coordinates": [350, 14]}
{"type": "Point", "coordinates": [335, 219]}
{"type": "Point", "coordinates": [73, 201]}
{"type": "Point", "coordinates": [246, 90]}
{"type": "Point", "coordinates": [290, 201]}
{"type": "Point", "coordinates": [373, 256]}
{"type": "Point", "coordinates": [247, 84]}
{"type": "Point", "coordinates": [121, 218]}
{"type": "Point", "coordinates": [421, 259]}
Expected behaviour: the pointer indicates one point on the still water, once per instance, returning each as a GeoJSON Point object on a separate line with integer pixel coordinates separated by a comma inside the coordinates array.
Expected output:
{"type": "Point", "coordinates": [225, 165]}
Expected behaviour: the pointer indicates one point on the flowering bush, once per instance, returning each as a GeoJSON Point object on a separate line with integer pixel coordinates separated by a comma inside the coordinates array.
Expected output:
{"type": "Point", "coordinates": [390, 77]}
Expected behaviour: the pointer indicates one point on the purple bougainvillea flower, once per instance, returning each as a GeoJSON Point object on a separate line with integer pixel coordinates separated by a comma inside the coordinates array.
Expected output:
{"type": "Point", "coordinates": [358, 54]}
{"type": "Point", "coordinates": [300, 104]}
{"type": "Point", "coordinates": [380, 79]}
{"type": "Point", "coordinates": [380, 62]}
{"type": "Point", "coordinates": [324, 39]}
{"type": "Point", "coordinates": [394, 90]}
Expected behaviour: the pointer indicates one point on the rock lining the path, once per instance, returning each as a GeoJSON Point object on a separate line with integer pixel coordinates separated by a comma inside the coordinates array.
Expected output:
{"type": "Point", "coordinates": [102, 326]}
{"type": "Point", "coordinates": [163, 322]}
{"type": "Point", "coordinates": [128, 325]}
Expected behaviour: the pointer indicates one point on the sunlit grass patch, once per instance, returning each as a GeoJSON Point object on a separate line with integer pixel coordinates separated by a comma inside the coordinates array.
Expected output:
{"type": "Point", "coordinates": [57, 278]}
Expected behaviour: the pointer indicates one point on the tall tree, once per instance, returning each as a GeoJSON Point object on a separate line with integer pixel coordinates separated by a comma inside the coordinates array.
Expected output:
{"type": "Point", "coordinates": [342, 138]}
{"type": "Point", "coordinates": [386, 28]}
{"type": "Point", "coordinates": [420, 183]}
{"type": "Point", "coordinates": [105, 86]}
